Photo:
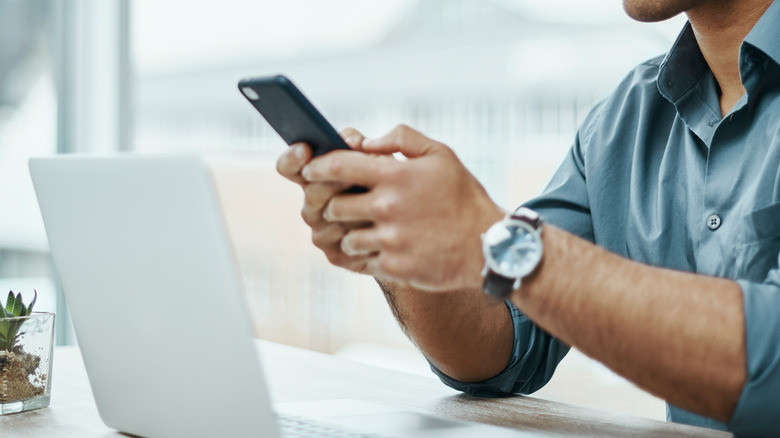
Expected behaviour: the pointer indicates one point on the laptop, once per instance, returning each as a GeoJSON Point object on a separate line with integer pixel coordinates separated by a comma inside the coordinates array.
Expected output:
{"type": "Point", "coordinates": [148, 274]}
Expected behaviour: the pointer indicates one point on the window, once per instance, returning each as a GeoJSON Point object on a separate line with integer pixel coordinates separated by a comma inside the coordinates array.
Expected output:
{"type": "Point", "coordinates": [28, 127]}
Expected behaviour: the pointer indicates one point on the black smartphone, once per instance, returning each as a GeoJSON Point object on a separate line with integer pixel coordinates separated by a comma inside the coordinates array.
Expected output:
{"type": "Point", "coordinates": [290, 113]}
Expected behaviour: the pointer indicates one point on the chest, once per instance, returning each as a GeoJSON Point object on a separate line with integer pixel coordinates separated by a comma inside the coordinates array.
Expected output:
{"type": "Point", "coordinates": [710, 207]}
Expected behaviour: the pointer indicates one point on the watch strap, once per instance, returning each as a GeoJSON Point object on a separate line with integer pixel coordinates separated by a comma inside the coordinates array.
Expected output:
{"type": "Point", "coordinates": [497, 285]}
{"type": "Point", "coordinates": [528, 216]}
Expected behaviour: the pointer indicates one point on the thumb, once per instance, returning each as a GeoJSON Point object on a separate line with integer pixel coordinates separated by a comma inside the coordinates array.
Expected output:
{"type": "Point", "coordinates": [410, 142]}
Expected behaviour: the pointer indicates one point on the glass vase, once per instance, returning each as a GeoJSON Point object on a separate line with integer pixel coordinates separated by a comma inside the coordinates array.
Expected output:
{"type": "Point", "coordinates": [26, 345]}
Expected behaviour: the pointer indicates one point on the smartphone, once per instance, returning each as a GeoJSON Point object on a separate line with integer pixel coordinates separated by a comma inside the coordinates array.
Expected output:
{"type": "Point", "coordinates": [292, 116]}
{"type": "Point", "coordinates": [290, 113]}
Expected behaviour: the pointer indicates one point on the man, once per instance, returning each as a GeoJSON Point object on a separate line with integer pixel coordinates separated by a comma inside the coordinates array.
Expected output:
{"type": "Point", "coordinates": [676, 179]}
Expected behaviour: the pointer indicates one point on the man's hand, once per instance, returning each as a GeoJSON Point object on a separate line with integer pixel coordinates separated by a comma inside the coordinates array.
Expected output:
{"type": "Point", "coordinates": [466, 336]}
{"type": "Point", "coordinates": [426, 213]}
{"type": "Point", "coordinates": [325, 235]}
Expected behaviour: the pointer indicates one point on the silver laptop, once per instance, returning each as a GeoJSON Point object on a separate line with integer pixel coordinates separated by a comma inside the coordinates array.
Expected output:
{"type": "Point", "coordinates": [146, 266]}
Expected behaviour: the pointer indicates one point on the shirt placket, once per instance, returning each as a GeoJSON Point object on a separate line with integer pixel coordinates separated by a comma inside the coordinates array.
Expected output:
{"type": "Point", "coordinates": [717, 220]}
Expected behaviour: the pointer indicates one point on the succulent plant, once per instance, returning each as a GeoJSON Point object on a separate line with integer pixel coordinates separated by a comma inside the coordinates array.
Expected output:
{"type": "Point", "coordinates": [9, 328]}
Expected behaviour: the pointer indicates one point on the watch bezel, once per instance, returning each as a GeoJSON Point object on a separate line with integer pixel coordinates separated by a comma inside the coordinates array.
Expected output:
{"type": "Point", "coordinates": [493, 265]}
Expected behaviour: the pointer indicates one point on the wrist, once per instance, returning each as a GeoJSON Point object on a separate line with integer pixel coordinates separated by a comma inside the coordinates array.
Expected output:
{"type": "Point", "coordinates": [565, 255]}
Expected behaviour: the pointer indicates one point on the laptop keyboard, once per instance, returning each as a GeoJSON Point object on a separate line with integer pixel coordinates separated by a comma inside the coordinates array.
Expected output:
{"type": "Point", "coordinates": [296, 427]}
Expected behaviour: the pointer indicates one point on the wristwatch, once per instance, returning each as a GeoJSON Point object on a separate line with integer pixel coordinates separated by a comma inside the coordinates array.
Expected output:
{"type": "Point", "coordinates": [513, 250]}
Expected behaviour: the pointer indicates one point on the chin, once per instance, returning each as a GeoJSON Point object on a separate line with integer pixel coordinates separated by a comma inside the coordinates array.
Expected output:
{"type": "Point", "coordinates": [650, 11]}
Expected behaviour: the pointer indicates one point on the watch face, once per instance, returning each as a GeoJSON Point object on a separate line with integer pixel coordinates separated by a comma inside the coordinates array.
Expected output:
{"type": "Point", "coordinates": [512, 248]}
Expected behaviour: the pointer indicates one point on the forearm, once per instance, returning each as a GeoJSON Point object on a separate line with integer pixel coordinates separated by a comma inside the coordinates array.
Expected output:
{"type": "Point", "coordinates": [680, 336]}
{"type": "Point", "coordinates": [464, 335]}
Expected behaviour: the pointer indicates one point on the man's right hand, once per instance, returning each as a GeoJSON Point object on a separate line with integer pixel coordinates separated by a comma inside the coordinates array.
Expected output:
{"type": "Point", "coordinates": [325, 235]}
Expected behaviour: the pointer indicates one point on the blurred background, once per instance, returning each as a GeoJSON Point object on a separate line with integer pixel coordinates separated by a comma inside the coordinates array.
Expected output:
{"type": "Point", "coordinates": [505, 83]}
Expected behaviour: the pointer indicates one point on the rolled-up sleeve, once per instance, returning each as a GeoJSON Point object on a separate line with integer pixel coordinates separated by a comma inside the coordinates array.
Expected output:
{"type": "Point", "coordinates": [535, 355]}
{"type": "Point", "coordinates": [758, 410]}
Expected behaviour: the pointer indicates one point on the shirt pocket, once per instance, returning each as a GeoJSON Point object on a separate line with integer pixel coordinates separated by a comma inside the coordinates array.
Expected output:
{"type": "Point", "coordinates": [758, 243]}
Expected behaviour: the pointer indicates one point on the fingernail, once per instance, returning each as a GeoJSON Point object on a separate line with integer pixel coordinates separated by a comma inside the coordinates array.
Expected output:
{"type": "Point", "coordinates": [306, 172]}
{"type": "Point", "coordinates": [299, 152]}
{"type": "Point", "coordinates": [345, 248]}
{"type": "Point", "coordinates": [353, 140]}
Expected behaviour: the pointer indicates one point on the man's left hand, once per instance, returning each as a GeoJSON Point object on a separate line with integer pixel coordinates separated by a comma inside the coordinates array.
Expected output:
{"type": "Point", "coordinates": [427, 212]}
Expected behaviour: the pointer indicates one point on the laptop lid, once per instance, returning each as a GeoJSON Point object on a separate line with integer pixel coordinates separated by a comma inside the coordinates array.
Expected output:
{"type": "Point", "coordinates": [147, 271]}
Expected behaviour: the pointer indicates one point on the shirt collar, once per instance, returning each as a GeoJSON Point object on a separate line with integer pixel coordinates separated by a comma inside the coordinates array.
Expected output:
{"type": "Point", "coordinates": [765, 35]}
{"type": "Point", "coordinates": [684, 65]}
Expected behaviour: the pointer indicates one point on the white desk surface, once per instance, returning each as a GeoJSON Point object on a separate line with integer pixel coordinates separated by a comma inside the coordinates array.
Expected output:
{"type": "Point", "coordinates": [297, 375]}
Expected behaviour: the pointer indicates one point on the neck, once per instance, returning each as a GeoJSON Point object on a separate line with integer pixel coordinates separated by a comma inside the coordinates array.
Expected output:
{"type": "Point", "coordinates": [719, 27]}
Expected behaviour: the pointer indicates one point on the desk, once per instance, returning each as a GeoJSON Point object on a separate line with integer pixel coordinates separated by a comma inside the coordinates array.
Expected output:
{"type": "Point", "coordinates": [297, 375]}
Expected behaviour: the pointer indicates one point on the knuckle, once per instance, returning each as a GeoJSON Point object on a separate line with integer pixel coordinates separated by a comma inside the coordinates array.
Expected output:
{"type": "Point", "coordinates": [448, 150]}
{"type": "Point", "coordinates": [402, 129]}
{"type": "Point", "coordinates": [289, 164]}
{"type": "Point", "coordinates": [335, 257]}
{"type": "Point", "coordinates": [444, 147]}
{"type": "Point", "coordinates": [389, 238]}
{"type": "Point", "coordinates": [317, 195]}
{"type": "Point", "coordinates": [404, 133]}
{"type": "Point", "coordinates": [319, 240]}
{"type": "Point", "coordinates": [332, 257]}
{"type": "Point", "coordinates": [327, 237]}
{"type": "Point", "coordinates": [309, 216]}
{"type": "Point", "coordinates": [283, 165]}
{"type": "Point", "coordinates": [385, 207]}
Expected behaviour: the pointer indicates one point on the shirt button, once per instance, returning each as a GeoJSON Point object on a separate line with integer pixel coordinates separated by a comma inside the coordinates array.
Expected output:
{"type": "Point", "coordinates": [713, 222]}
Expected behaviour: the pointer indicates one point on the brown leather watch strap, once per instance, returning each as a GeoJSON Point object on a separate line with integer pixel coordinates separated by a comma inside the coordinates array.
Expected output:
{"type": "Point", "coordinates": [498, 286]}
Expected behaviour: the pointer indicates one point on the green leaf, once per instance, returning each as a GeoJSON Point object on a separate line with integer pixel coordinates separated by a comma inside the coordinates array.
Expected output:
{"type": "Point", "coordinates": [32, 303]}
{"type": "Point", "coordinates": [18, 305]}
{"type": "Point", "coordinates": [5, 327]}
{"type": "Point", "coordinates": [9, 302]}
{"type": "Point", "coordinates": [13, 332]}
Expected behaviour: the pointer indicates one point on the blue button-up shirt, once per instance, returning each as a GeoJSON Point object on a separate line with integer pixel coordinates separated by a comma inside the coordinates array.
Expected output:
{"type": "Point", "coordinates": [657, 175]}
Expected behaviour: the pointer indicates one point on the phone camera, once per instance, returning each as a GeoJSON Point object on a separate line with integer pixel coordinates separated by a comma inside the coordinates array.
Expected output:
{"type": "Point", "coordinates": [250, 93]}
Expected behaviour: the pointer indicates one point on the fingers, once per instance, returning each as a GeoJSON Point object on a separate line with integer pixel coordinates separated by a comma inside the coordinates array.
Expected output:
{"type": "Point", "coordinates": [403, 139]}
{"type": "Point", "coordinates": [292, 160]}
{"type": "Point", "coordinates": [328, 239]}
{"type": "Point", "coordinates": [353, 138]}
{"type": "Point", "coordinates": [368, 244]}
{"type": "Point", "coordinates": [361, 242]}
{"type": "Point", "coordinates": [350, 167]}
{"type": "Point", "coordinates": [329, 235]}
{"type": "Point", "coordinates": [317, 196]}
{"type": "Point", "coordinates": [362, 207]}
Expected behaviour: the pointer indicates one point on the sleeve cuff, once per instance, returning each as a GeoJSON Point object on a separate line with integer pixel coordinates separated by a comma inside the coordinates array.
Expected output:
{"type": "Point", "coordinates": [758, 411]}
{"type": "Point", "coordinates": [535, 355]}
